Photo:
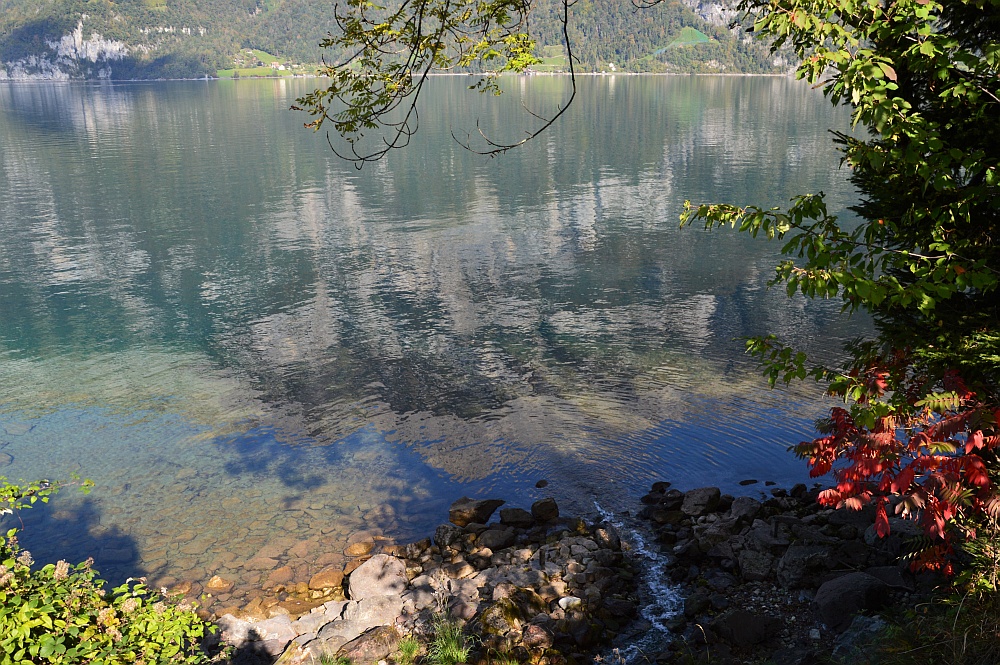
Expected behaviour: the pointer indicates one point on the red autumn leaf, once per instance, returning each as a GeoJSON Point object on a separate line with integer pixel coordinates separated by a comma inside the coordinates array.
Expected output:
{"type": "Point", "coordinates": [881, 520]}
{"type": "Point", "coordinates": [903, 480]}
{"type": "Point", "coordinates": [974, 441]}
{"type": "Point", "coordinates": [975, 471]}
{"type": "Point", "coordinates": [820, 468]}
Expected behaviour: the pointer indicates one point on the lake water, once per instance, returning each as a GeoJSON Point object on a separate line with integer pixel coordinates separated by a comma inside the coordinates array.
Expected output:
{"type": "Point", "coordinates": [254, 348]}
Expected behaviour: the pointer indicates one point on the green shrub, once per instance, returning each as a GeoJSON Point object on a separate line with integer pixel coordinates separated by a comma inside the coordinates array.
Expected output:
{"type": "Point", "coordinates": [60, 613]}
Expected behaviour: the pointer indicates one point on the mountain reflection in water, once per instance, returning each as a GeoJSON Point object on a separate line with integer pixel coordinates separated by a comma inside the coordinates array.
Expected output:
{"type": "Point", "coordinates": [252, 347]}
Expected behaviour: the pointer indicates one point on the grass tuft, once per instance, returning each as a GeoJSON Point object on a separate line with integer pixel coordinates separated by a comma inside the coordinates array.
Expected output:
{"type": "Point", "coordinates": [408, 647]}
{"type": "Point", "coordinates": [450, 646]}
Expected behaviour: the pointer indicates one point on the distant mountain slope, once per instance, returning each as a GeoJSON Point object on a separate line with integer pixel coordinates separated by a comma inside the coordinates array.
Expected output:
{"type": "Point", "coordinates": [62, 39]}
{"type": "Point", "coordinates": [615, 31]}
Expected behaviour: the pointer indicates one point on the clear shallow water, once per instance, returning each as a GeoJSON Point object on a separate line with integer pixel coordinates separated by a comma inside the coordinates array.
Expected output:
{"type": "Point", "coordinates": [251, 347]}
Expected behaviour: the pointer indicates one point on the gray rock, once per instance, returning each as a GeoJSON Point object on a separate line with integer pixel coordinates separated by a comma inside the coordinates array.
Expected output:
{"type": "Point", "coordinates": [710, 535]}
{"type": "Point", "coordinates": [620, 608]}
{"type": "Point", "coordinates": [422, 597]}
{"type": "Point", "coordinates": [334, 608]}
{"type": "Point", "coordinates": [463, 588]}
{"type": "Point", "coordinates": [311, 623]}
{"type": "Point", "coordinates": [233, 631]}
{"type": "Point", "coordinates": [838, 600]}
{"type": "Point", "coordinates": [745, 508]}
{"type": "Point", "coordinates": [901, 533]}
{"type": "Point", "coordinates": [447, 535]}
{"type": "Point", "coordinates": [497, 538]}
{"type": "Point", "coordinates": [467, 510]}
{"type": "Point", "coordinates": [545, 510]}
{"type": "Point", "coordinates": [894, 576]}
{"type": "Point", "coordinates": [771, 538]}
{"type": "Point", "coordinates": [463, 608]}
{"type": "Point", "coordinates": [853, 554]}
{"type": "Point", "coordinates": [516, 517]}
{"type": "Point", "coordinates": [810, 535]}
{"type": "Point", "coordinates": [372, 646]}
{"type": "Point", "coordinates": [802, 565]}
{"type": "Point", "coordinates": [742, 629]}
{"type": "Point", "coordinates": [701, 501]}
{"type": "Point", "coordinates": [272, 647]}
{"type": "Point", "coordinates": [381, 575]}
{"type": "Point", "coordinates": [858, 639]}
{"type": "Point", "coordinates": [859, 519]}
{"type": "Point", "coordinates": [276, 628]}
{"type": "Point", "coordinates": [374, 611]}
{"type": "Point", "coordinates": [723, 550]}
{"type": "Point", "coordinates": [697, 603]}
{"type": "Point", "coordinates": [335, 635]}
{"type": "Point", "coordinates": [755, 566]}
{"type": "Point", "coordinates": [606, 535]}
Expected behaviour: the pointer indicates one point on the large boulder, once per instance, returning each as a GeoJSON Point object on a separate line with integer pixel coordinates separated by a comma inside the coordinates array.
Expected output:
{"type": "Point", "coordinates": [466, 510]}
{"type": "Point", "coordinates": [497, 538]}
{"type": "Point", "coordinates": [857, 641]}
{"type": "Point", "coordinates": [745, 508]}
{"type": "Point", "coordinates": [374, 611]}
{"type": "Point", "coordinates": [234, 632]}
{"type": "Point", "coordinates": [741, 628]}
{"type": "Point", "coordinates": [710, 535]}
{"type": "Point", "coordinates": [516, 517]}
{"type": "Point", "coordinates": [545, 510]}
{"type": "Point", "coordinates": [802, 565]}
{"type": "Point", "coordinates": [755, 566]}
{"type": "Point", "coordinates": [701, 501]}
{"type": "Point", "coordinates": [381, 575]}
{"type": "Point", "coordinates": [372, 646]}
{"type": "Point", "coordinates": [606, 535]}
{"type": "Point", "coordinates": [838, 600]}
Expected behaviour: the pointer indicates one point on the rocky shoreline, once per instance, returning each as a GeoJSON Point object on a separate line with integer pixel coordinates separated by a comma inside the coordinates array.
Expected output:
{"type": "Point", "coordinates": [533, 586]}
{"type": "Point", "coordinates": [778, 579]}
{"type": "Point", "coordinates": [775, 578]}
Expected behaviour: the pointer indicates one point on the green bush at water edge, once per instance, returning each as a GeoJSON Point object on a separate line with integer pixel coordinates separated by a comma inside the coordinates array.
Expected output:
{"type": "Point", "coordinates": [60, 613]}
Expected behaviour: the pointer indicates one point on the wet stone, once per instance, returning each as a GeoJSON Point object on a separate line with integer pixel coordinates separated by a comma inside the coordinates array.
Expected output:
{"type": "Point", "coordinates": [359, 549]}
{"type": "Point", "coordinates": [545, 510]}
{"type": "Point", "coordinates": [282, 575]}
{"type": "Point", "coordinates": [260, 563]}
{"type": "Point", "coordinates": [466, 510]}
{"type": "Point", "coordinates": [327, 578]}
{"type": "Point", "coordinates": [516, 517]}
{"type": "Point", "coordinates": [218, 585]}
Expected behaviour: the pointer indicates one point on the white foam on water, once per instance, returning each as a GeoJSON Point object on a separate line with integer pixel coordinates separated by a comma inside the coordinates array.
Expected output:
{"type": "Point", "coordinates": [664, 599]}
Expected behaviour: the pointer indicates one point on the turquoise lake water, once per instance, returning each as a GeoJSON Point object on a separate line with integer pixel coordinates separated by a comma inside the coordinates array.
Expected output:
{"type": "Point", "coordinates": [251, 346]}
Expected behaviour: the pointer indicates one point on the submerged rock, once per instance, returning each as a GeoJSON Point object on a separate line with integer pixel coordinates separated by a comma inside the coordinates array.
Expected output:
{"type": "Point", "coordinates": [545, 510]}
{"type": "Point", "coordinates": [466, 510]}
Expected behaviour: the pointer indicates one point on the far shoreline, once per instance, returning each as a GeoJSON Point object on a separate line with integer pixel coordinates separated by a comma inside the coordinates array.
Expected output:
{"type": "Point", "coordinates": [432, 74]}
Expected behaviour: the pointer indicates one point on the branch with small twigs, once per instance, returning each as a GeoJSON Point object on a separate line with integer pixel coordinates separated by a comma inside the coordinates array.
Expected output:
{"type": "Point", "coordinates": [497, 148]}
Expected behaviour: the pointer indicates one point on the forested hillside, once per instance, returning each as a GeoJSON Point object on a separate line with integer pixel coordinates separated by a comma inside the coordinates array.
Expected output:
{"type": "Point", "coordinates": [188, 38]}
